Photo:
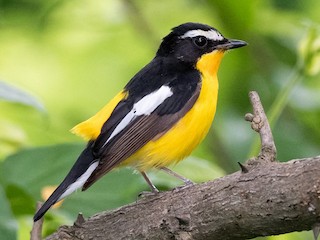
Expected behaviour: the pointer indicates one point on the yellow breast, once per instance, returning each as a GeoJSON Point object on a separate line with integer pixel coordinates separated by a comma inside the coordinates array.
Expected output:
{"type": "Point", "coordinates": [188, 132]}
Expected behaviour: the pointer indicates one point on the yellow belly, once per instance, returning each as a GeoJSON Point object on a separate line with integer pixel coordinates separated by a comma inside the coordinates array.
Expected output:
{"type": "Point", "coordinates": [181, 140]}
{"type": "Point", "coordinates": [187, 133]}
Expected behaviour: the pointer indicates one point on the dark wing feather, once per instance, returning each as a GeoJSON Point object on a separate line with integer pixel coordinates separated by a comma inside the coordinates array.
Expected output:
{"type": "Point", "coordinates": [119, 112]}
{"type": "Point", "coordinates": [142, 130]}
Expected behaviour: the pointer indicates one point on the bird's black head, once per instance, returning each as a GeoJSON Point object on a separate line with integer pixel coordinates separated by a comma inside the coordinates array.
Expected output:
{"type": "Point", "coordinates": [189, 41]}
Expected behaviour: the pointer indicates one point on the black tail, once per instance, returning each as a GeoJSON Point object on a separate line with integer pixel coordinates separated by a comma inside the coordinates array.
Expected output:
{"type": "Point", "coordinates": [78, 174]}
{"type": "Point", "coordinates": [51, 200]}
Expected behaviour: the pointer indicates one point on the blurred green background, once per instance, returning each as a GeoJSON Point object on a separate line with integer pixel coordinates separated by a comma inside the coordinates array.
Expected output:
{"type": "Point", "coordinates": [61, 61]}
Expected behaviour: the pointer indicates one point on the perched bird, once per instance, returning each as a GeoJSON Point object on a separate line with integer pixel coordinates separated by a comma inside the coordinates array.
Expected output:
{"type": "Point", "coordinates": [159, 117]}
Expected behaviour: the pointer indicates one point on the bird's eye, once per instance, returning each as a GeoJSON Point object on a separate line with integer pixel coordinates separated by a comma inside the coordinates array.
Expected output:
{"type": "Point", "coordinates": [200, 41]}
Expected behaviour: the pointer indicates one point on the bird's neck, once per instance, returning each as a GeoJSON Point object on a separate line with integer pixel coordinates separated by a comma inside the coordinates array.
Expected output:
{"type": "Point", "coordinates": [209, 63]}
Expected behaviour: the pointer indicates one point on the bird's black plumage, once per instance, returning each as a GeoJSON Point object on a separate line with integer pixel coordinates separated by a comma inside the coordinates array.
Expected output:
{"type": "Point", "coordinates": [180, 77]}
{"type": "Point", "coordinates": [85, 159]}
{"type": "Point", "coordinates": [172, 40]}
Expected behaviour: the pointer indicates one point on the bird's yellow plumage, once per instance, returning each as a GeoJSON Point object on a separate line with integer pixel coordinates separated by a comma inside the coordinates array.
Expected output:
{"type": "Point", "coordinates": [90, 129]}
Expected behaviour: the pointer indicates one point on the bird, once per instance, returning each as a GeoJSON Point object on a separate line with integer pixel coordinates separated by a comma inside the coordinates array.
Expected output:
{"type": "Point", "coordinates": [159, 117]}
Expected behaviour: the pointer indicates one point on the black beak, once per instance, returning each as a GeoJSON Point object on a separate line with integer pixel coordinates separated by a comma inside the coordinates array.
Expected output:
{"type": "Point", "coordinates": [230, 44]}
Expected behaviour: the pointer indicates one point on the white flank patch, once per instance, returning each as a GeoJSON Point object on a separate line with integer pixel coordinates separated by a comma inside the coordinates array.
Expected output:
{"type": "Point", "coordinates": [211, 34]}
{"type": "Point", "coordinates": [80, 181]}
{"type": "Point", "coordinates": [144, 106]}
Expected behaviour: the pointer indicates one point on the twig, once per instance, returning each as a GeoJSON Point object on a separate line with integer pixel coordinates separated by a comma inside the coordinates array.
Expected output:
{"type": "Point", "coordinates": [36, 232]}
{"type": "Point", "coordinates": [80, 220]}
{"type": "Point", "coordinates": [316, 231]}
{"type": "Point", "coordinates": [260, 124]}
{"type": "Point", "coordinates": [243, 168]}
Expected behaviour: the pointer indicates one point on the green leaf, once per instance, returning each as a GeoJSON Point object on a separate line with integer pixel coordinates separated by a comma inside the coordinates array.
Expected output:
{"type": "Point", "coordinates": [8, 225]}
{"type": "Point", "coordinates": [32, 169]}
{"type": "Point", "coordinates": [21, 202]}
{"type": "Point", "coordinates": [12, 138]}
{"type": "Point", "coordinates": [16, 95]}
{"type": "Point", "coordinates": [291, 236]}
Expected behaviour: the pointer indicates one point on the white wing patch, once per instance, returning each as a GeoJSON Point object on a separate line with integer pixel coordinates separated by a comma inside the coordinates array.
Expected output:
{"type": "Point", "coordinates": [80, 181]}
{"type": "Point", "coordinates": [144, 106]}
{"type": "Point", "coordinates": [211, 34]}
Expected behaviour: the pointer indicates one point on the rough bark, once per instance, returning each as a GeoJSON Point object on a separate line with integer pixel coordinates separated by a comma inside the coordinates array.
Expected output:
{"type": "Point", "coordinates": [264, 198]}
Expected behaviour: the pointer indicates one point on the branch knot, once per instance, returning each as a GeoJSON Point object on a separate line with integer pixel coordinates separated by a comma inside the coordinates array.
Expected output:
{"type": "Point", "coordinates": [260, 124]}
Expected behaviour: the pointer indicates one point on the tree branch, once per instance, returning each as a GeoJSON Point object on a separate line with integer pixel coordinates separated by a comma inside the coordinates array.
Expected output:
{"type": "Point", "coordinates": [265, 198]}
{"type": "Point", "coordinates": [260, 124]}
{"type": "Point", "coordinates": [36, 230]}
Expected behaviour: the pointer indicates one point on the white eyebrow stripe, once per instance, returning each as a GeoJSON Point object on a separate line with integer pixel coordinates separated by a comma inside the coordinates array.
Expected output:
{"type": "Point", "coordinates": [145, 106]}
{"type": "Point", "coordinates": [211, 34]}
